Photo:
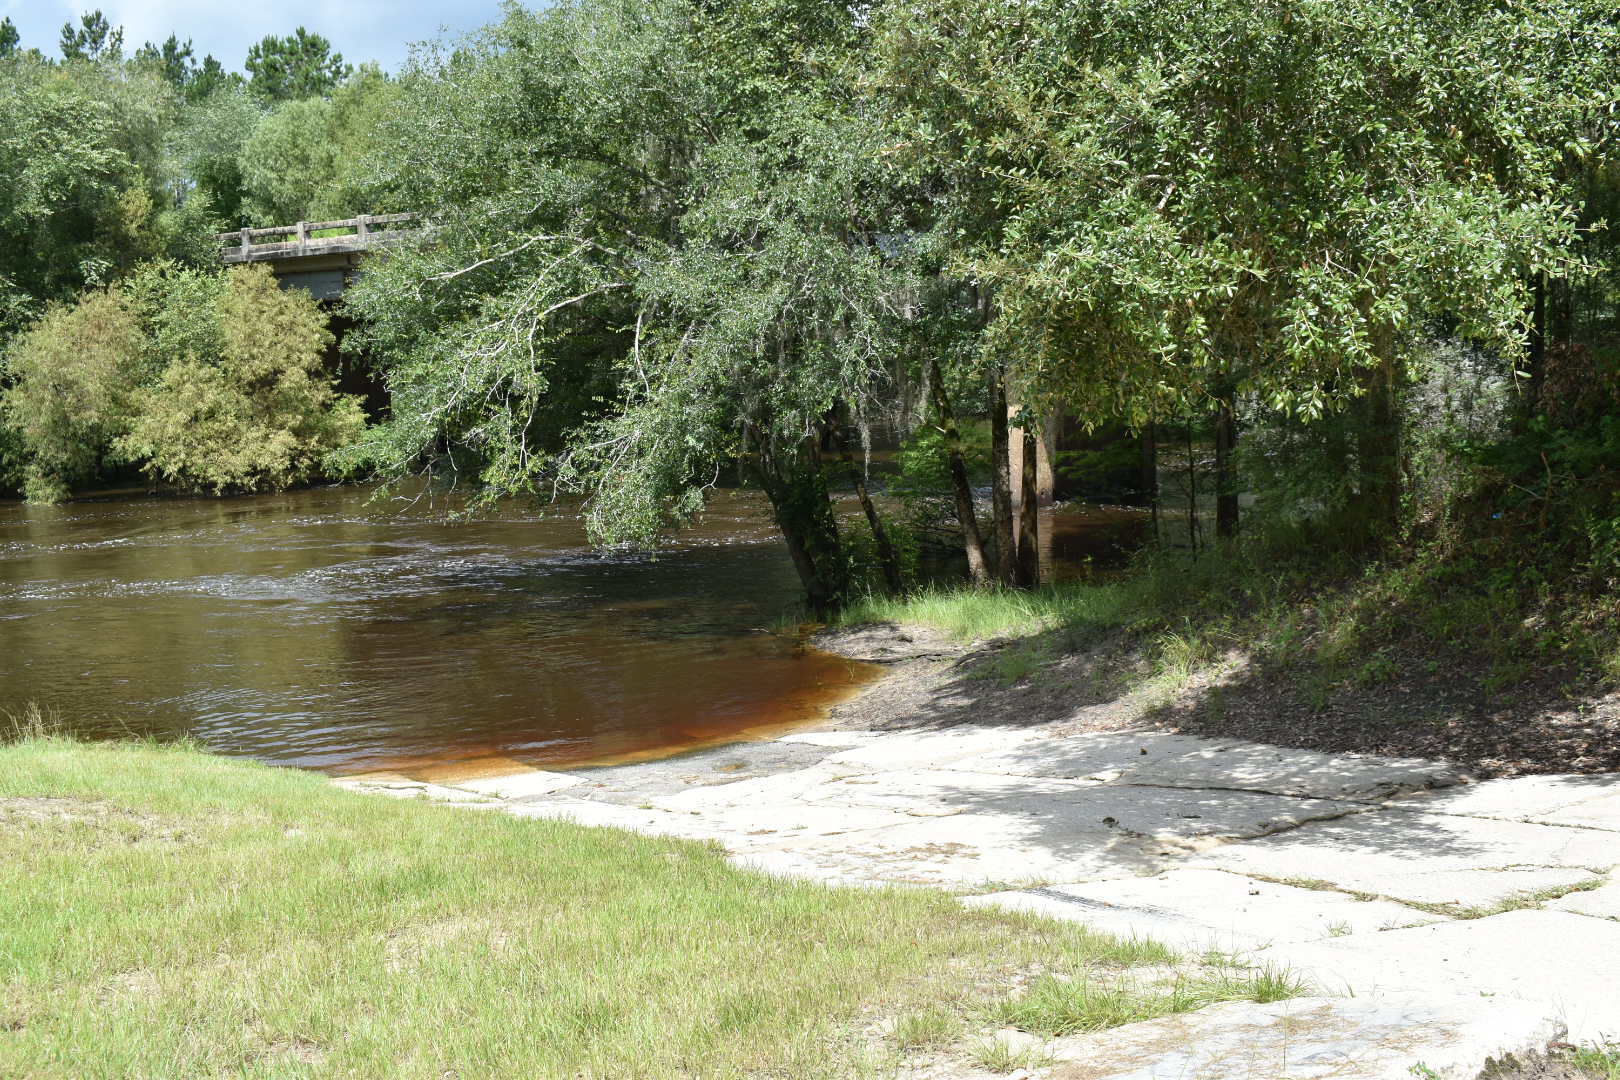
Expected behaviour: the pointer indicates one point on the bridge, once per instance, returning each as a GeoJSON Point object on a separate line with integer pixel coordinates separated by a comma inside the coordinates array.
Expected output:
{"type": "Point", "coordinates": [320, 256]}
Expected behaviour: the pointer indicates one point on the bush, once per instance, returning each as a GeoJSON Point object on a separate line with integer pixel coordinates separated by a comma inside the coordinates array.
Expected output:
{"type": "Point", "coordinates": [257, 414]}
{"type": "Point", "coordinates": [74, 376]}
{"type": "Point", "coordinates": [206, 380]}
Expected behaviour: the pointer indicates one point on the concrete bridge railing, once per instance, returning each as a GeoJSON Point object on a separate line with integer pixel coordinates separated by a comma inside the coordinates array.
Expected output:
{"type": "Point", "coordinates": [295, 241]}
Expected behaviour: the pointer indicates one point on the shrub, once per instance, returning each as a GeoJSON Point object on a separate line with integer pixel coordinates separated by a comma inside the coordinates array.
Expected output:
{"type": "Point", "coordinates": [74, 375]}
{"type": "Point", "coordinates": [257, 414]}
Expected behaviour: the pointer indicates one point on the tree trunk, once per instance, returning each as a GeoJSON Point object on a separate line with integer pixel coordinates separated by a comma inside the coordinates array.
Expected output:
{"type": "Point", "coordinates": [1001, 478]}
{"type": "Point", "coordinates": [1192, 492]}
{"type": "Point", "coordinates": [1378, 451]}
{"type": "Point", "coordinates": [1226, 494]}
{"type": "Point", "coordinates": [1148, 478]}
{"type": "Point", "coordinates": [1029, 503]}
{"type": "Point", "coordinates": [880, 535]}
{"type": "Point", "coordinates": [1537, 360]}
{"type": "Point", "coordinates": [978, 571]}
{"type": "Point", "coordinates": [794, 483]}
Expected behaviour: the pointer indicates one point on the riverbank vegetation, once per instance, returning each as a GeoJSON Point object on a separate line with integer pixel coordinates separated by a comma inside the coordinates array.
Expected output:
{"type": "Point", "coordinates": [202, 379]}
{"type": "Point", "coordinates": [1346, 264]}
{"type": "Point", "coordinates": [117, 168]}
{"type": "Point", "coordinates": [176, 914]}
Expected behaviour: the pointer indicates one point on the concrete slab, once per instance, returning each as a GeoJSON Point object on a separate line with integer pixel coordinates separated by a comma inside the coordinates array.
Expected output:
{"type": "Point", "coordinates": [1602, 813]}
{"type": "Point", "coordinates": [923, 749]}
{"type": "Point", "coordinates": [940, 792]}
{"type": "Point", "coordinates": [759, 825]}
{"type": "Point", "coordinates": [1569, 963]}
{"type": "Point", "coordinates": [415, 789]}
{"type": "Point", "coordinates": [964, 850]}
{"type": "Point", "coordinates": [1426, 858]}
{"type": "Point", "coordinates": [613, 815]}
{"type": "Point", "coordinates": [1600, 903]}
{"type": "Point", "coordinates": [1064, 811]}
{"type": "Point", "coordinates": [1102, 755]}
{"type": "Point", "coordinates": [1284, 771]}
{"type": "Point", "coordinates": [1592, 801]}
{"type": "Point", "coordinates": [760, 789]}
{"type": "Point", "coordinates": [1195, 910]}
{"type": "Point", "coordinates": [837, 739]}
{"type": "Point", "coordinates": [1369, 1038]}
{"type": "Point", "coordinates": [525, 785]}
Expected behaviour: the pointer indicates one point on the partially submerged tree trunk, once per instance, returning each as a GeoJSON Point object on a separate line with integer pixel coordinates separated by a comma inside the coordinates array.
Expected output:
{"type": "Point", "coordinates": [1029, 502]}
{"type": "Point", "coordinates": [793, 480]}
{"type": "Point", "coordinates": [1148, 480]}
{"type": "Point", "coordinates": [1001, 478]}
{"type": "Point", "coordinates": [1537, 360]}
{"type": "Point", "coordinates": [962, 490]}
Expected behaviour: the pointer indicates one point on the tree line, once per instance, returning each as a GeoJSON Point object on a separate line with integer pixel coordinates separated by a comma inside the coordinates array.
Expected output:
{"type": "Point", "coordinates": [126, 347]}
{"type": "Point", "coordinates": [1351, 252]}
{"type": "Point", "coordinates": [681, 237]}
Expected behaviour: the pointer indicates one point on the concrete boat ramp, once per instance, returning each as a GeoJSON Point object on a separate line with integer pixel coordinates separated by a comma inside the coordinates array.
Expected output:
{"type": "Point", "coordinates": [1442, 921]}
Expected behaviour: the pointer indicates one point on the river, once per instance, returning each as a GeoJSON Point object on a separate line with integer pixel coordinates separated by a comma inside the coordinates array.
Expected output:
{"type": "Point", "coordinates": [324, 630]}
{"type": "Point", "coordinates": [328, 629]}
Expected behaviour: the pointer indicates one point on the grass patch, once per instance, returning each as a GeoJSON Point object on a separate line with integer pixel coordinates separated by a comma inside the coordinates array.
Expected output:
{"type": "Point", "coordinates": [1055, 1006]}
{"type": "Point", "coordinates": [1597, 1062]}
{"type": "Point", "coordinates": [926, 1028]}
{"type": "Point", "coordinates": [172, 914]}
{"type": "Point", "coordinates": [979, 614]}
{"type": "Point", "coordinates": [998, 1055]}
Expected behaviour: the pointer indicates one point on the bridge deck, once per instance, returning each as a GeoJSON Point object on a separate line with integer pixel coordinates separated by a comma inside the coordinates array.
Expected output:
{"type": "Point", "coordinates": [295, 241]}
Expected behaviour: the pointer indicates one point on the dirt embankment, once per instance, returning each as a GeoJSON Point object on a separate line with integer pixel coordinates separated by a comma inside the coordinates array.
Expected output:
{"type": "Point", "coordinates": [1422, 709]}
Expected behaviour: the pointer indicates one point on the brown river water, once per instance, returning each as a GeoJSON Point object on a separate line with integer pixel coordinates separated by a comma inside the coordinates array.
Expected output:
{"type": "Point", "coordinates": [326, 630]}
{"type": "Point", "coordinates": [320, 630]}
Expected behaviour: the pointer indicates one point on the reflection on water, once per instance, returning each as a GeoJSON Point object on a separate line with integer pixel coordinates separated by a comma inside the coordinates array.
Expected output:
{"type": "Point", "coordinates": [318, 630]}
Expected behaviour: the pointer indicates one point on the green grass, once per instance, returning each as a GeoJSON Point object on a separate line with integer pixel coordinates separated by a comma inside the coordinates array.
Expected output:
{"type": "Point", "coordinates": [977, 614]}
{"type": "Point", "coordinates": [1056, 1006]}
{"type": "Point", "coordinates": [1597, 1062]}
{"type": "Point", "coordinates": [165, 913]}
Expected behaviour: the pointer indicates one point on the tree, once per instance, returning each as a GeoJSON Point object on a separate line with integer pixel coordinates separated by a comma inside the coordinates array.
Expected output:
{"type": "Point", "coordinates": [94, 39]}
{"type": "Point", "coordinates": [1238, 202]}
{"type": "Point", "coordinates": [244, 403]}
{"type": "Point", "coordinates": [300, 65]}
{"type": "Point", "coordinates": [208, 144]}
{"type": "Point", "coordinates": [72, 378]}
{"type": "Point", "coordinates": [209, 78]}
{"type": "Point", "coordinates": [654, 257]}
{"type": "Point", "coordinates": [8, 38]}
{"type": "Point", "coordinates": [286, 160]}
{"type": "Point", "coordinates": [172, 60]}
{"type": "Point", "coordinates": [309, 159]}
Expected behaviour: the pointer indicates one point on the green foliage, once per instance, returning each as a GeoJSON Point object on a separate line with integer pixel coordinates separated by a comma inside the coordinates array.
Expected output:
{"type": "Point", "coordinates": [294, 67]}
{"type": "Point", "coordinates": [172, 60]}
{"type": "Point", "coordinates": [300, 65]}
{"type": "Point", "coordinates": [286, 160]}
{"type": "Point", "coordinates": [259, 413]}
{"type": "Point", "coordinates": [86, 181]}
{"type": "Point", "coordinates": [94, 39]}
{"type": "Point", "coordinates": [307, 160]}
{"type": "Point", "coordinates": [652, 258]}
{"type": "Point", "coordinates": [205, 380]}
{"type": "Point", "coordinates": [73, 378]}
{"type": "Point", "coordinates": [208, 145]}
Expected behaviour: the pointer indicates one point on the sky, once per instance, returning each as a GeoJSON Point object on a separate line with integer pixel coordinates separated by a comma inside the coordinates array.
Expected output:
{"type": "Point", "coordinates": [379, 30]}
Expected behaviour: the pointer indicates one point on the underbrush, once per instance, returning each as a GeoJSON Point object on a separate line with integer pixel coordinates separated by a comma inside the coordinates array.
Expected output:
{"type": "Point", "coordinates": [1448, 599]}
